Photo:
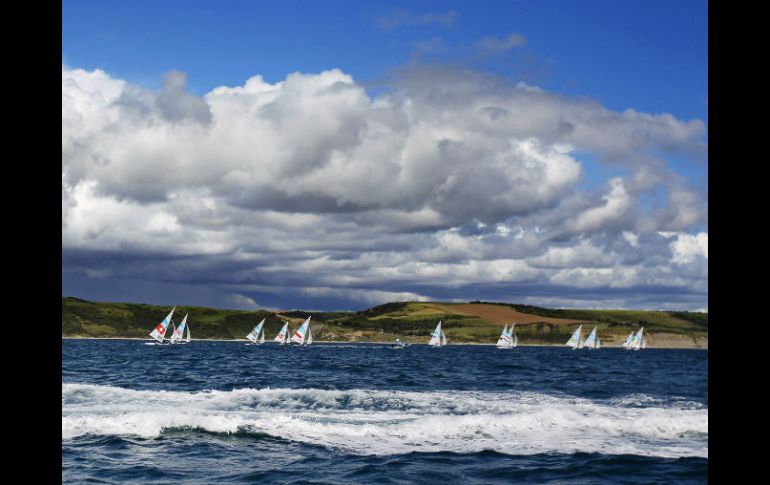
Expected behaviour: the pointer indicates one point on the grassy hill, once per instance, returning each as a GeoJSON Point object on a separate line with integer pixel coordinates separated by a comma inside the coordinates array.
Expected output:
{"type": "Point", "coordinates": [475, 322]}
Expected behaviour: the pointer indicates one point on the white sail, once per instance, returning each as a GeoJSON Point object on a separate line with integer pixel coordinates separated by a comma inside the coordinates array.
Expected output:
{"type": "Point", "coordinates": [501, 339]}
{"type": "Point", "coordinates": [254, 334]}
{"type": "Point", "coordinates": [160, 331]}
{"type": "Point", "coordinates": [638, 341]}
{"type": "Point", "coordinates": [590, 341]}
{"type": "Point", "coordinates": [443, 338]}
{"type": "Point", "coordinates": [515, 341]}
{"type": "Point", "coordinates": [281, 337]}
{"type": "Point", "coordinates": [179, 331]}
{"type": "Point", "coordinates": [262, 337]}
{"type": "Point", "coordinates": [299, 335]}
{"type": "Point", "coordinates": [309, 337]}
{"type": "Point", "coordinates": [506, 338]}
{"type": "Point", "coordinates": [574, 340]}
{"type": "Point", "coordinates": [187, 339]}
{"type": "Point", "coordinates": [629, 339]}
{"type": "Point", "coordinates": [435, 337]}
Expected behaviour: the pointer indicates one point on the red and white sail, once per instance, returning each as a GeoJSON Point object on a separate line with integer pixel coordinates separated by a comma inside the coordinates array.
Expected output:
{"type": "Point", "coordinates": [160, 331]}
{"type": "Point", "coordinates": [299, 335]}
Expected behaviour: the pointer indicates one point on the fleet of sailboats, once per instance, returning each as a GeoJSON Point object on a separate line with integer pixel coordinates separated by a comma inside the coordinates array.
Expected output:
{"type": "Point", "coordinates": [304, 336]}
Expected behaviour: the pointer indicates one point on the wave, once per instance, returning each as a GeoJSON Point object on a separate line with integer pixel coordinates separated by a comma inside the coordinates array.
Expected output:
{"type": "Point", "coordinates": [372, 422]}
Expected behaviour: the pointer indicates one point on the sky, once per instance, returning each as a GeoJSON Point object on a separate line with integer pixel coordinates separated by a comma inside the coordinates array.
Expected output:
{"type": "Point", "coordinates": [337, 155]}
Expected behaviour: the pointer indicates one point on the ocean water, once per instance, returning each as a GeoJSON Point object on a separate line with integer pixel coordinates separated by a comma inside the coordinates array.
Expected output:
{"type": "Point", "coordinates": [224, 412]}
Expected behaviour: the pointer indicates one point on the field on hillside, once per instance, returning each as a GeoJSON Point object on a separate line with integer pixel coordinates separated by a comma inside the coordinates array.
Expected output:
{"type": "Point", "coordinates": [476, 322]}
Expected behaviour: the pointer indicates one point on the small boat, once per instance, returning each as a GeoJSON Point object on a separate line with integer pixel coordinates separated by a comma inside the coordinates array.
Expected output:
{"type": "Point", "coordinates": [508, 339]}
{"type": "Point", "coordinates": [638, 341]}
{"type": "Point", "coordinates": [301, 333]}
{"type": "Point", "coordinates": [176, 337]}
{"type": "Point", "coordinates": [159, 332]}
{"type": "Point", "coordinates": [397, 344]}
{"type": "Point", "coordinates": [257, 335]}
{"type": "Point", "coordinates": [574, 341]}
{"type": "Point", "coordinates": [281, 338]}
{"type": "Point", "coordinates": [438, 337]}
{"type": "Point", "coordinates": [592, 341]}
{"type": "Point", "coordinates": [628, 340]}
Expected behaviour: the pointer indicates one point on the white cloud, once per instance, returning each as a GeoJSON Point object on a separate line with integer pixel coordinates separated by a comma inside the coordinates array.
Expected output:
{"type": "Point", "coordinates": [631, 238]}
{"type": "Point", "coordinates": [615, 205]}
{"type": "Point", "coordinates": [687, 247]}
{"type": "Point", "coordinates": [311, 183]}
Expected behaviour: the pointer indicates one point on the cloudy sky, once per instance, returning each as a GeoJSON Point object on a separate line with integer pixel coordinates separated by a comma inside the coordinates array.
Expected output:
{"type": "Point", "coordinates": [336, 155]}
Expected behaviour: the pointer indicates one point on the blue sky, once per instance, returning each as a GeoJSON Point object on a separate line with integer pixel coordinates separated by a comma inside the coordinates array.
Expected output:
{"type": "Point", "coordinates": [583, 197]}
{"type": "Point", "coordinates": [650, 56]}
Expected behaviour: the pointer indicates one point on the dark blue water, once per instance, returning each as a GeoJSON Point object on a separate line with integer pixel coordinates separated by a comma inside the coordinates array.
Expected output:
{"type": "Point", "coordinates": [223, 412]}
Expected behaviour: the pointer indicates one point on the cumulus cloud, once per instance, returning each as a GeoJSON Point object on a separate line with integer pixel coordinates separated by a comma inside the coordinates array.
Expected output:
{"type": "Point", "coordinates": [614, 206]}
{"type": "Point", "coordinates": [687, 247]}
{"type": "Point", "coordinates": [311, 184]}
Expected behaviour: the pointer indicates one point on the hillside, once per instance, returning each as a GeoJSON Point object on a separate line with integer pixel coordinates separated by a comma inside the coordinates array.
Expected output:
{"type": "Point", "coordinates": [475, 322]}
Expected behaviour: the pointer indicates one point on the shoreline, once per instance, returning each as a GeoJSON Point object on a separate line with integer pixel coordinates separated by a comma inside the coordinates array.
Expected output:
{"type": "Point", "coordinates": [376, 343]}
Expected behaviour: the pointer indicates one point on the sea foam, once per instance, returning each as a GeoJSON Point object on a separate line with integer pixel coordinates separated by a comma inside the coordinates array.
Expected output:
{"type": "Point", "coordinates": [375, 422]}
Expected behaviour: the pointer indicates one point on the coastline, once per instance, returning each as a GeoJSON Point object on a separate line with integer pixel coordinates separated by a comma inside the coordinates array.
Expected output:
{"type": "Point", "coordinates": [326, 342]}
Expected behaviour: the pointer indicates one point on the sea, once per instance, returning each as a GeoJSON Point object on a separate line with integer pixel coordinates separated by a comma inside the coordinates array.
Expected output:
{"type": "Point", "coordinates": [335, 413]}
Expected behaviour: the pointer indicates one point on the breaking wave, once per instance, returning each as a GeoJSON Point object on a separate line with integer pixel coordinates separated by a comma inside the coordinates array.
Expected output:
{"type": "Point", "coordinates": [373, 422]}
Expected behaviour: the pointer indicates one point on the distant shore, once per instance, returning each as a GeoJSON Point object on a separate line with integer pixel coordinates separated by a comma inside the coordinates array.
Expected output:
{"type": "Point", "coordinates": [390, 342]}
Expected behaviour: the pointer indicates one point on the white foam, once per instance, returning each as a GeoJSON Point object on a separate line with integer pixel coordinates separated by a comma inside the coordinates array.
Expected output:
{"type": "Point", "coordinates": [393, 422]}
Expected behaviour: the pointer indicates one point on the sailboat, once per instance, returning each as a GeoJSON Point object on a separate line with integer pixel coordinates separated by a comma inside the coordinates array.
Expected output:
{"type": "Point", "coordinates": [574, 340]}
{"type": "Point", "coordinates": [592, 341]}
{"type": "Point", "coordinates": [638, 341]}
{"type": "Point", "coordinates": [159, 332]}
{"type": "Point", "coordinates": [309, 337]}
{"type": "Point", "coordinates": [438, 337]}
{"type": "Point", "coordinates": [283, 334]}
{"type": "Point", "coordinates": [301, 333]}
{"type": "Point", "coordinates": [256, 333]}
{"type": "Point", "coordinates": [628, 340]}
{"type": "Point", "coordinates": [176, 337]}
{"type": "Point", "coordinates": [507, 339]}
{"type": "Point", "coordinates": [501, 339]}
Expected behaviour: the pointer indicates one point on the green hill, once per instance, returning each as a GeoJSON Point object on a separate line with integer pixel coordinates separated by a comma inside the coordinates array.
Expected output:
{"type": "Point", "coordinates": [475, 322]}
